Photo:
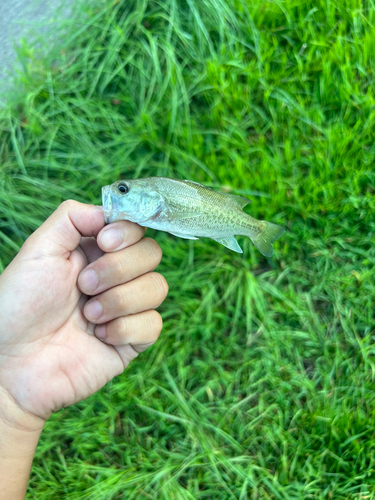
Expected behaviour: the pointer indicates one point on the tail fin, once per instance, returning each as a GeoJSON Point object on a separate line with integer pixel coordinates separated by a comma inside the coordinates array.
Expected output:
{"type": "Point", "coordinates": [263, 241]}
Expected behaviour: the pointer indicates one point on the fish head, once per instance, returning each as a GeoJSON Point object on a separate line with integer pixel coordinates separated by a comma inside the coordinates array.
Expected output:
{"type": "Point", "coordinates": [133, 200]}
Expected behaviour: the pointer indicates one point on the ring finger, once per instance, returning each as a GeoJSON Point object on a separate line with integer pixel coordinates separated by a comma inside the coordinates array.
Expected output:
{"type": "Point", "coordinates": [144, 293]}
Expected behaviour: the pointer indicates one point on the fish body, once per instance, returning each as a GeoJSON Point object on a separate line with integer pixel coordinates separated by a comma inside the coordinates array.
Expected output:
{"type": "Point", "coordinates": [188, 210]}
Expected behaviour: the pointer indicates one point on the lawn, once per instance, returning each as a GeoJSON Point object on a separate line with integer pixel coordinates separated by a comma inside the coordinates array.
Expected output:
{"type": "Point", "coordinates": [261, 385]}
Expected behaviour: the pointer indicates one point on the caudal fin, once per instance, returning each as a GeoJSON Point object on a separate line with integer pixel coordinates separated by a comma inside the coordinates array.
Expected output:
{"type": "Point", "coordinates": [263, 241]}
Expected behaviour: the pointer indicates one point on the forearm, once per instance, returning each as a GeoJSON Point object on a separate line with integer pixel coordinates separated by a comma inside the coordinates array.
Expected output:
{"type": "Point", "coordinates": [19, 435]}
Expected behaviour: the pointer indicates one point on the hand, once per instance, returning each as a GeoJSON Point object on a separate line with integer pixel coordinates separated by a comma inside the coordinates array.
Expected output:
{"type": "Point", "coordinates": [50, 352]}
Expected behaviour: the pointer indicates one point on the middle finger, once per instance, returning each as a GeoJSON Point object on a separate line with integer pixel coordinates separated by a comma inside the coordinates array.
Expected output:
{"type": "Point", "coordinates": [119, 267]}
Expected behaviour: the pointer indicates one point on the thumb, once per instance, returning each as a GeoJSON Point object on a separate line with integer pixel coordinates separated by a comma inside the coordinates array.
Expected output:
{"type": "Point", "coordinates": [61, 233]}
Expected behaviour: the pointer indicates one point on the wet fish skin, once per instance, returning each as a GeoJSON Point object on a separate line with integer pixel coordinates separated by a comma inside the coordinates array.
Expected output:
{"type": "Point", "coordinates": [188, 210]}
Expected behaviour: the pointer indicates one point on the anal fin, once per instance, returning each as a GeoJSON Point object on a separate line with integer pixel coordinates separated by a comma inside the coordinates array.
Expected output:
{"type": "Point", "coordinates": [229, 242]}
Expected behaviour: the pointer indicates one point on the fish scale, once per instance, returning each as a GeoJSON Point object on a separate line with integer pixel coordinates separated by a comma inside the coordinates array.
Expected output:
{"type": "Point", "coordinates": [188, 210]}
{"type": "Point", "coordinates": [209, 224]}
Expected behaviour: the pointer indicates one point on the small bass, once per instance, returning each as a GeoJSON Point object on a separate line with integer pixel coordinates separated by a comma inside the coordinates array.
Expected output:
{"type": "Point", "coordinates": [188, 210]}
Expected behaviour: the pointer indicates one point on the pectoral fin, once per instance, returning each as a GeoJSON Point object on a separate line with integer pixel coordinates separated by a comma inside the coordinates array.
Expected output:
{"type": "Point", "coordinates": [185, 236]}
{"type": "Point", "coordinates": [229, 242]}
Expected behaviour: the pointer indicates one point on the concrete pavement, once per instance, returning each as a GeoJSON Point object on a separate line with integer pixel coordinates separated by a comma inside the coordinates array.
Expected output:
{"type": "Point", "coordinates": [26, 19]}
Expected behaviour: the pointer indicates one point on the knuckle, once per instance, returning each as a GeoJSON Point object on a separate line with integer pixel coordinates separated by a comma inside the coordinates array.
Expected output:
{"type": "Point", "coordinates": [27, 244]}
{"type": "Point", "coordinates": [156, 324]}
{"type": "Point", "coordinates": [160, 284]}
{"type": "Point", "coordinates": [119, 297]}
{"type": "Point", "coordinates": [122, 326]}
{"type": "Point", "coordinates": [119, 265]}
{"type": "Point", "coordinates": [154, 252]}
{"type": "Point", "coordinates": [117, 330]}
{"type": "Point", "coordinates": [152, 324]}
{"type": "Point", "coordinates": [67, 205]}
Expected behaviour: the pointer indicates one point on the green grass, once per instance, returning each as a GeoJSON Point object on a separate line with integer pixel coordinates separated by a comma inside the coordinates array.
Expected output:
{"type": "Point", "coordinates": [261, 385]}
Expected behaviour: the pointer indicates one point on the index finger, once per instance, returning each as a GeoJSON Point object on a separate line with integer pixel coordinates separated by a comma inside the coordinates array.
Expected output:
{"type": "Point", "coordinates": [115, 236]}
{"type": "Point", "coordinates": [119, 235]}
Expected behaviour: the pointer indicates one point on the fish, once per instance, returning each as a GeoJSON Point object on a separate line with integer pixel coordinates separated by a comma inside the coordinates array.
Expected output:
{"type": "Point", "coordinates": [188, 210]}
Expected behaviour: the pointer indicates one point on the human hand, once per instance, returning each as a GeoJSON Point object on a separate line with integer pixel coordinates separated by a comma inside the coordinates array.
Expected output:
{"type": "Point", "coordinates": [50, 352]}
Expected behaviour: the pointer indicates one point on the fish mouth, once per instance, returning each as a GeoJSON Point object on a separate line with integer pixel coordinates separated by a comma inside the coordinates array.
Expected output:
{"type": "Point", "coordinates": [107, 204]}
{"type": "Point", "coordinates": [112, 206]}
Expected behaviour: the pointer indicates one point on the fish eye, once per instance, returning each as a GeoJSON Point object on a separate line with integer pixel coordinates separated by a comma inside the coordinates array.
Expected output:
{"type": "Point", "coordinates": [123, 188]}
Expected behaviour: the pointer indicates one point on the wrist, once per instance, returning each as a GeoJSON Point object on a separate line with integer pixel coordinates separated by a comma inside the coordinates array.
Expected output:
{"type": "Point", "coordinates": [15, 419]}
{"type": "Point", "coordinates": [19, 436]}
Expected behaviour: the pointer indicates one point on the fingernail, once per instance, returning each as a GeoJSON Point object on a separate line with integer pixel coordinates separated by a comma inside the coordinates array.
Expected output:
{"type": "Point", "coordinates": [93, 310]}
{"type": "Point", "coordinates": [100, 332]}
{"type": "Point", "coordinates": [112, 238]}
{"type": "Point", "coordinates": [89, 280]}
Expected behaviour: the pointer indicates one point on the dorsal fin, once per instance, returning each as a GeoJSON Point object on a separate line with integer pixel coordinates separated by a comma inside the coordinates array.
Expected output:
{"type": "Point", "coordinates": [239, 200]}
{"type": "Point", "coordinates": [197, 184]}
{"type": "Point", "coordinates": [193, 182]}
